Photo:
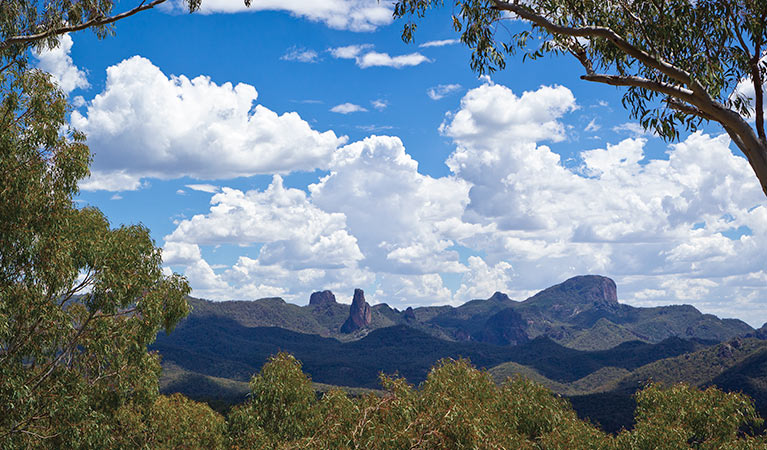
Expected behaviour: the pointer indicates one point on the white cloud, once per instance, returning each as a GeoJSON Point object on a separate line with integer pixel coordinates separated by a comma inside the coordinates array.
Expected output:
{"type": "Point", "coordinates": [441, 90]}
{"type": "Point", "coordinates": [365, 58]}
{"type": "Point", "coordinates": [592, 126]}
{"type": "Point", "coordinates": [295, 233]}
{"type": "Point", "coordinates": [376, 59]}
{"type": "Point", "coordinates": [180, 253]}
{"type": "Point", "coordinates": [148, 125]}
{"type": "Point", "coordinates": [300, 54]}
{"type": "Point", "coordinates": [439, 43]}
{"type": "Point", "coordinates": [354, 15]}
{"type": "Point", "coordinates": [349, 51]}
{"type": "Point", "coordinates": [482, 280]}
{"type": "Point", "coordinates": [398, 290]}
{"type": "Point", "coordinates": [632, 129]}
{"type": "Point", "coordinates": [746, 91]}
{"type": "Point", "coordinates": [308, 242]}
{"type": "Point", "coordinates": [209, 188]}
{"type": "Point", "coordinates": [401, 218]}
{"type": "Point", "coordinates": [492, 115]}
{"type": "Point", "coordinates": [659, 227]}
{"type": "Point", "coordinates": [379, 104]}
{"type": "Point", "coordinates": [58, 63]}
{"type": "Point", "coordinates": [638, 220]}
{"type": "Point", "coordinates": [347, 108]}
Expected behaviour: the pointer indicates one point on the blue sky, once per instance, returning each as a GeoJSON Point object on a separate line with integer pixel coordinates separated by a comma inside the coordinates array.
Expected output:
{"type": "Point", "coordinates": [300, 146]}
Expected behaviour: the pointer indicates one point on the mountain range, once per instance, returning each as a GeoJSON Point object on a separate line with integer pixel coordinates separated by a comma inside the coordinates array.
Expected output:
{"type": "Point", "coordinates": [574, 337]}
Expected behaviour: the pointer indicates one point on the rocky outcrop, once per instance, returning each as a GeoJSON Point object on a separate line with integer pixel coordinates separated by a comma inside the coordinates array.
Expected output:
{"type": "Point", "coordinates": [588, 295]}
{"type": "Point", "coordinates": [360, 314]}
{"type": "Point", "coordinates": [321, 298]}
{"type": "Point", "coordinates": [409, 314]}
{"type": "Point", "coordinates": [500, 297]}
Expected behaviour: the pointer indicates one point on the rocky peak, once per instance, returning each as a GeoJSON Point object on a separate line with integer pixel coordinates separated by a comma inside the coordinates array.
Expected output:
{"type": "Point", "coordinates": [584, 290]}
{"type": "Point", "coordinates": [500, 297]}
{"type": "Point", "coordinates": [360, 314]}
{"type": "Point", "coordinates": [322, 298]}
{"type": "Point", "coordinates": [409, 314]}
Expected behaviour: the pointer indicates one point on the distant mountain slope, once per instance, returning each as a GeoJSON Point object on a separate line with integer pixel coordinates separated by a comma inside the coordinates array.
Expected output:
{"type": "Point", "coordinates": [748, 376]}
{"type": "Point", "coordinates": [699, 368]}
{"type": "Point", "coordinates": [582, 313]}
{"type": "Point", "coordinates": [224, 348]}
{"type": "Point", "coordinates": [739, 365]}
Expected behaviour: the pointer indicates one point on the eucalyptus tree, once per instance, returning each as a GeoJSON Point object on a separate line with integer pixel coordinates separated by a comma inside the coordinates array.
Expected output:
{"type": "Point", "coordinates": [682, 62]}
{"type": "Point", "coordinates": [80, 301]}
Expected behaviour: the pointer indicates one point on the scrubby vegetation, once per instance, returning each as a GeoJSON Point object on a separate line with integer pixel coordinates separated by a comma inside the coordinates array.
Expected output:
{"type": "Point", "coordinates": [456, 407]}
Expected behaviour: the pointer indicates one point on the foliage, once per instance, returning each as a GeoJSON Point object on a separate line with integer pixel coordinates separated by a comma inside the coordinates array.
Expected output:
{"type": "Point", "coordinates": [79, 301]}
{"type": "Point", "coordinates": [171, 422]}
{"type": "Point", "coordinates": [681, 62]}
{"type": "Point", "coordinates": [459, 407]}
{"type": "Point", "coordinates": [682, 417]}
{"type": "Point", "coordinates": [25, 24]}
{"type": "Point", "coordinates": [280, 407]}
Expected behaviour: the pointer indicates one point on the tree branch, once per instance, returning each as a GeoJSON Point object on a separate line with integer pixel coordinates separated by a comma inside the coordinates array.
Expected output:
{"type": "Point", "coordinates": [686, 108]}
{"type": "Point", "coordinates": [628, 80]}
{"type": "Point", "coordinates": [95, 22]}
{"type": "Point", "coordinates": [673, 72]}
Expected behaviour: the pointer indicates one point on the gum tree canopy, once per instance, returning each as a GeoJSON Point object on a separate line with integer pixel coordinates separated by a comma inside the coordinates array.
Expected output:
{"type": "Point", "coordinates": [80, 301]}
{"type": "Point", "coordinates": [682, 62]}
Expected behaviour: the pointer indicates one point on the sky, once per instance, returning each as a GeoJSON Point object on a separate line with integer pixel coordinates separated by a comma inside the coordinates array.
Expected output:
{"type": "Point", "coordinates": [298, 146]}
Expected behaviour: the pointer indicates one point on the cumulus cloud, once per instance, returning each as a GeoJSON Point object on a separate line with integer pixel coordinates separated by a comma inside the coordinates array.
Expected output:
{"type": "Point", "coordinates": [58, 63]}
{"type": "Point", "coordinates": [441, 90]}
{"type": "Point", "coordinates": [335, 236]}
{"type": "Point", "coordinates": [294, 232]}
{"type": "Point", "coordinates": [347, 108]}
{"type": "Point", "coordinates": [482, 280]}
{"type": "Point", "coordinates": [687, 228]}
{"type": "Point", "coordinates": [619, 213]}
{"type": "Point", "coordinates": [401, 218]}
{"type": "Point", "coordinates": [302, 247]}
{"type": "Point", "coordinates": [364, 57]}
{"type": "Point", "coordinates": [354, 15]}
{"type": "Point", "coordinates": [146, 124]}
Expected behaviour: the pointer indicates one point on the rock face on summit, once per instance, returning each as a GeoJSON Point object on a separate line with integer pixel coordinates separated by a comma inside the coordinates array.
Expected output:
{"type": "Point", "coordinates": [322, 298]}
{"type": "Point", "coordinates": [360, 314]}
{"type": "Point", "coordinates": [594, 289]}
{"type": "Point", "coordinates": [578, 294]}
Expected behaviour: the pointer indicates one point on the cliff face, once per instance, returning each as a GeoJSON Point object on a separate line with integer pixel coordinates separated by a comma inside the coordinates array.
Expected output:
{"type": "Point", "coordinates": [360, 314]}
{"type": "Point", "coordinates": [322, 298]}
